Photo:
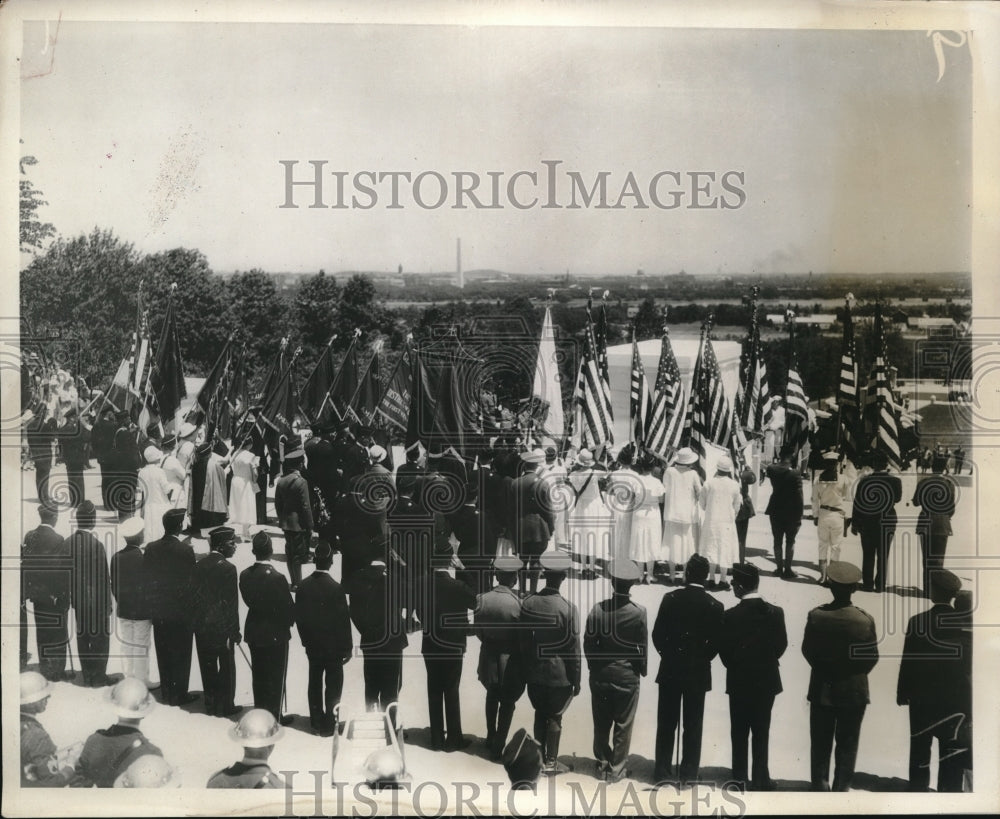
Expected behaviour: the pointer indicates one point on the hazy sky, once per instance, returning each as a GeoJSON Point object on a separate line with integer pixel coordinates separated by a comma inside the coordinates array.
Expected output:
{"type": "Point", "coordinates": [855, 157]}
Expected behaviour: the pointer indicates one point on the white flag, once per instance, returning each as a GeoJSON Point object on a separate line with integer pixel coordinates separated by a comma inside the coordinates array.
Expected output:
{"type": "Point", "coordinates": [546, 385]}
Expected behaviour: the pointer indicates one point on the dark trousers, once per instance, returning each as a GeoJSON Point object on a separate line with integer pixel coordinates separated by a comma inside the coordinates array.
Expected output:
{"type": "Point", "coordinates": [499, 714]}
{"type": "Point", "coordinates": [826, 724]}
{"type": "Point", "coordinates": [261, 499]}
{"type": "Point", "coordinates": [270, 662]}
{"type": "Point", "coordinates": [43, 466]}
{"type": "Point", "coordinates": [741, 535]}
{"type": "Point", "coordinates": [930, 721]}
{"type": "Point", "coordinates": [444, 675]}
{"type": "Point", "coordinates": [93, 640]}
{"type": "Point", "coordinates": [784, 530]}
{"type": "Point", "coordinates": [875, 544]}
{"type": "Point", "coordinates": [328, 668]}
{"type": "Point", "coordinates": [296, 553]}
{"type": "Point", "coordinates": [550, 703]}
{"type": "Point", "coordinates": [22, 633]}
{"type": "Point", "coordinates": [173, 655]}
{"type": "Point", "coordinates": [613, 708]}
{"type": "Point", "coordinates": [383, 671]}
{"type": "Point", "coordinates": [216, 659]}
{"type": "Point", "coordinates": [77, 491]}
{"type": "Point", "coordinates": [107, 476]}
{"type": "Point", "coordinates": [668, 714]}
{"type": "Point", "coordinates": [750, 715]}
{"type": "Point", "coordinates": [52, 635]}
{"type": "Point", "coordinates": [932, 551]}
{"type": "Point", "coordinates": [122, 492]}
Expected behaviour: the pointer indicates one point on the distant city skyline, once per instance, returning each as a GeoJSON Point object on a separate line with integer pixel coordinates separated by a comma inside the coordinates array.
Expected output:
{"type": "Point", "coordinates": [852, 155]}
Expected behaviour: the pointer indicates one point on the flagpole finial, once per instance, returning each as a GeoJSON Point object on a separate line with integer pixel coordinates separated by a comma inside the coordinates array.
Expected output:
{"type": "Point", "coordinates": [357, 332]}
{"type": "Point", "coordinates": [605, 294]}
{"type": "Point", "coordinates": [284, 342]}
{"type": "Point", "coordinates": [333, 338]}
{"type": "Point", "coordinates": [173, 286]}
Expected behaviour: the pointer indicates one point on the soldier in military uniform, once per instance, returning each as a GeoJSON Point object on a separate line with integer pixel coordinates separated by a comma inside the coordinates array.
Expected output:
{"type": "Point", "coordinates": [91, 593]}
{"type": "Point", "coordinates": [169, 567]}
{"type": "Point", "coordinates": [215, 604]}
{"type": "Point", "coordinates": [840, 646]}
{"type": "Point", "coordinates": [550, 651]}
{"type": "Point", "coordinates": [107, 753]}
{"type": "Point", "coordinates": [42, 766]}
{"type": "Point", "coordinates": [935, 682]}
{"type": "Point", "coordinates": [268, 625]}
{"type": "Point", "coordinates": [350, 458]}
{"type": "Point", "coordinates": [614, 643]}
{"type": "Point", "coordinates": [149, 771]}
{"type": "Point", "coordinates": [257, 731]}
{"type": "Point", "coordinates": [466, 525]}
{"type": "Point", "coordinates": [46, 568]}
{"type": "Point", "coordinates": [294, 510]}
{"type": "Point", "coordinates": [535, 521]}
{"type": "Point", "coordinates": [495, 619]}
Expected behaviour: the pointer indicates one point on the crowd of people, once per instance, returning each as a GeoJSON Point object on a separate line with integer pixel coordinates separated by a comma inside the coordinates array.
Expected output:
{"type": "Point", "coordinates": [450, 549]}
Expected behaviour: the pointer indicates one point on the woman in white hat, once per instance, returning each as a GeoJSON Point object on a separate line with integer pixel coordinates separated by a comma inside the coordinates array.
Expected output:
{"type": "Point", "coordinates": [589, 521]}
{"type": "Point", "coordinates": [646, 533]}
{"type": "Point", "coordinates": [829, 496]}
{"type": "Point", "coordinates": [244, 488]}
{"type": "Point", "coordinates": [721, 500]}
{"type": "Point", "coordinates": [155, 491]}
{"type": "Point", "coordinates": [681, 512]}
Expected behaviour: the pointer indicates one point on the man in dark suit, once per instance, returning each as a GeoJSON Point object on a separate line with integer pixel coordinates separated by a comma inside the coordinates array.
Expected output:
{"type": "Point", "coordinates": [40, 432]}
{"type": "Point", "coordinates": [615, 643]}
{"type": "Point", "coordinates": [350, 458]}
{"type": "Point", "coordinates": [534, 518]}
{"type": "Point", "coordinates": [74, 443]}
{"type": "Point", "coordinates": [294, 511]}
{"type": "Point", "coordinates": [128, 585]}
{"type": "Point", "coordinates": [102, 444]}
{"type": "Point", "coordinates": [935, 682]}
{"type": "Point", "coordinates": [784, 509]}
{"type": "Point", "coordinates": [840, 644]}
{"type": "Point", "coordinates": [324, 625]}
{"type": "Point", "coordinates": [445, 626]}
{"type": "Point", "coordinates": [127, 460]}
{"type": "Point", "coordinates": [91, 592]}
{"type": "Point", "coordinates": [268, 626]}
{"type": "Point", "coordinates": [874, 518]}
{"type": "Point", "coordinates": [686, 635]}
{"type": "Point", "coordinates": [169, 575]}
{"type": "Point", "coordinates": [376, 607]}
{"type": "Point", "coordinates": [466, 525]}
{"type": "Point", "coordinates": [410, 472]}
{"type": "Point", "coordinates": [495, 619]}
{"type": "Point", "coordinates": [751, 641]}
{"type": "Point", "coordinates": [215, 613]}
{"type": "Point", "coordinates": [46, 569]}
{"type": "Point", "coordinates": [551, 657]}
{"type": "Point", "coordinates": [935, 495]}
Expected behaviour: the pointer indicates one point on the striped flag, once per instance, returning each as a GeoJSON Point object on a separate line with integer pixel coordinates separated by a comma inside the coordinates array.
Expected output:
{"type": "Point", "coordinates": [666, 421]}
{"type": "Point", "coordinates": [847, 388]}
{"type": "Point", "coordinates": [640, 402]}
{"type": "Point", "coordinates": [753, 399]}
{"type": "Point", "coordinates": [881, 405]}
{"type": "Point", "coordinates": [711, 419]}
{"type": "Point", "coordinates": [601, 342]}
{"type": "Point", "coordinates": [593, 405]}
{"type": "Point", "coordinates": [796, 402]}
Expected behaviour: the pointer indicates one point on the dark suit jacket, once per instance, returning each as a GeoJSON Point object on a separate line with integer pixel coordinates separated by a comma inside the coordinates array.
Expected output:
{"type": "Point", "coordinates": [935, 495]}
{"type": "Point", "coordinates": [320, 470]}
{"type": "Point", "coordinates": [322, 618]}
{"type": "Point", "coordinates": [215, 600]}
{"type": "Point", "coordinates": [291, 503]}
{"type": "Point", "coordinates": [377, 609]}
{"type": "Point", "coordinates": [466, 525]}
{"type": "Point", "coordinates": [270, 616]}
{"type": "Point", "coordinates": [496, 616]}
{"type": "Point", "coordinates": [169, 577]}
{"type": "Point", "coordinates": [535, 517]}
{"type": "Point", "coordinates": [102, 441]}
{"type": "Point", "coordinates": [74, 440]}
{"type": "Point", "coordinates": [407, 476]}
{"type": "Point", "coordinates": [550, 640]}
{"type": "Point", "coordinates": [445, 619]}
{"type": "Point", "coordinates": [615, 641]}
{"type": "Point", "coordinates": [840, 645]}
{"type": "Point", "coordinates": [936, 668]}
{"type": "Point", "coordinates": [686, 634]}
{"type": "Point", "coordinates": [786, 492]}
{"type": "Point", "coordinates": [40, 433]}
{"type": "Point", "coordinates": [46, 567]}
{"type": "Point", "coordinates": [752, 639]}
{"type": "Point", "coordinates": [128, 583]}
{"type": "Point", "coordinates": [875, 499]}
{"type": "Point", "coordinates": [127, 456]}
{"type": "Point", "coordinates": [91, 581]}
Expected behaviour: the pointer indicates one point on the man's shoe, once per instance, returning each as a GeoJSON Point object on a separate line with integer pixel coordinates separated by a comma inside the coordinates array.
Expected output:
{"type": "Point", "coordinates": [459, 744]}
{"type": "Point", "coordinates": [228, 712]}
{"type": "Point", "coordinates": [554, 768]}
{"type": "Point", "coordinates": [612, 778]}
{"type": "Point", "coordinates": [287, 720]}
{"type": "Point", "coordinates": [186, 699]}
{"type": "Point", "coordinates": [102, 681]}
{"type": "Point", "coordinates": [765, 785]}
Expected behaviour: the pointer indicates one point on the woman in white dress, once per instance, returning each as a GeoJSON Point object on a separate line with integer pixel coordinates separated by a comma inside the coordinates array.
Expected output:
{"type": "Point", "coordinates": [623, 496]}
{"type": "Point", "coordinates": [647, 530]}
{"type": "Point", "coordinates": [244, 488]}
{"type": "Point", "coordinates": [721, 500]}
{"type": "Point", "coordinates": [156, 493]}
{"type": "Point", "coordinates": [589, 521]}
{"type": "Point", "coordinates": [681, 496]}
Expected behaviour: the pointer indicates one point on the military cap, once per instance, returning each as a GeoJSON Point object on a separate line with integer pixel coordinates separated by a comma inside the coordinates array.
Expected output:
{"type": "Point", "coordinates": [169, 441]}
{"type": "Point", "coordinates": [295, 453]}
{"type": "Point", "coordinates": [261, 543]}
{"type": "Point", "coordinates": [132, 528]}
{"type": "Point", "coordinates": [173, 516]}
{"type": "Point", "coordinates": [624, 570]}
{"type": "Point", "coordinates": [843, 573]}
{"type": "Point", "coordinates": [746, 574]}
{"type": "Point", "coordinates": [945, 581]}
{"type": "Point", "coordinates": [555, 562]}
{"type": "Point", "coordinates": [187, 430]}
{"type": "Point", "coordinates": [222, 535]}
{"type": "Point", "coordinates": [831, 455]}
{"type": "Point", "coordinates": [507, 563]}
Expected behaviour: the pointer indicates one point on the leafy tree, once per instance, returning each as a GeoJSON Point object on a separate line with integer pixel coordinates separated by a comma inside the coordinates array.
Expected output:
{"type": "Point", "coordinates": [359, 309]}
{"type": "Point", "coordinates": [34, 232]}
{"type": "Point", "coordinates": [317, 310]}
{"type": "Point", "coordinates": [259, 314]}
{"type": "Point", "coordinates": [648, 321]}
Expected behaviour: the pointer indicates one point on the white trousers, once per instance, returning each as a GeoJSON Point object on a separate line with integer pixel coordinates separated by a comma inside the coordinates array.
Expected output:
{"type": "Point", "coordinates": [134, 637]}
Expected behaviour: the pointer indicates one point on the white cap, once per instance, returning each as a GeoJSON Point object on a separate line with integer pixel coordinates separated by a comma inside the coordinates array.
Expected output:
{"type": "Point", "coordinates": [131, 527]}
{"type": "Point", "coordinates": [376, 453]}
{"type": "Point", "coordinates": [151, 454]}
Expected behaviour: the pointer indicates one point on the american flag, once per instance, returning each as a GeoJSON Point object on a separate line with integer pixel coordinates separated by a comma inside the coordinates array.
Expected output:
{"type": "Point", "coordinates": [881, 405]}
{"type": "Point", "coordinates": [711, 419]}
{"type": "Point", "coordinates": [666, 423]}
{"type": "Point", "coordinates": [753, 400]}
{"type": "Point", "coordinates": [593, 407]}
{"type": "Point", "coordinates": [796, 402]}
{"type": "Point", "coordinates": [847, 387]}
{"type": "Point", "coordinates": [601, 341]}
{"type": "Point", "coordinates": [640, 402]}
